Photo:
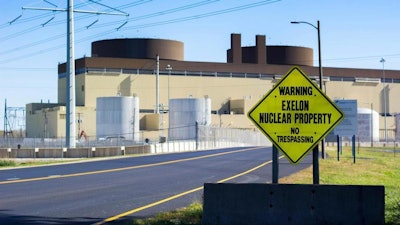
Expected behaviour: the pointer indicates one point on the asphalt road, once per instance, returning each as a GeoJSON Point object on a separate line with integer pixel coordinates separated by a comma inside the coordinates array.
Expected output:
{"type": "Point", "coordinates": [133, 187]}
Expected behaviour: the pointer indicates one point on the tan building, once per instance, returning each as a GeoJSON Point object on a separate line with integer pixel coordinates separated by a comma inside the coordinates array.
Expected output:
{"type": "Point", "coordinates": [127, 67]}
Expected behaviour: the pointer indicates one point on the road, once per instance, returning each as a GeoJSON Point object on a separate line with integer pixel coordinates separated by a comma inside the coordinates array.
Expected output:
{"type": "Point", "coordinates": [96, 192]}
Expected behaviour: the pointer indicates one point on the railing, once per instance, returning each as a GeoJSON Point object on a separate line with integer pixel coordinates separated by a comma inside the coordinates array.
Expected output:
{"type": "Point", "coordinates": [213, 136]}
{"type": "Point", "coordinates": [391, 135]}
{"type": "Point", "coordinates": [113, 71]}
{"type": "Point", "coordinates": [200, 138]}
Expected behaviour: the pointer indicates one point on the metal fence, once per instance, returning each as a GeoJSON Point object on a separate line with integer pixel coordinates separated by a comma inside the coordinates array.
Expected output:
{"type": "Point", "coordinates": [208, 136]}
{"type": "Point", "coordinates": [213, 136]}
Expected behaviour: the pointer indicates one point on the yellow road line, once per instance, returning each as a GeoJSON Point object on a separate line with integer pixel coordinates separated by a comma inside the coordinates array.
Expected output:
{"type": "Point", "coordinates": [113, 218]}
{"type": "Point", "coordinates": [149, 205]}
{"type": "Point", "coordinates": [124, 168]}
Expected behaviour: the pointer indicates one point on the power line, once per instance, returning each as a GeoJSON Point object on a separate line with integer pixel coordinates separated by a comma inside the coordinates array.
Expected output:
{"type": "Point", "coordinates": [26, 31]}
{"type": "Point", "coordinates": [168, 11]}
{"type": "Point", "coordinates": [33, 18]}
{"type": "Point", "coordinates": [160, 13]}
{"type": "Point", "coordinates": [204, 15]}
{"type": "Point", "coordinates": [62, 21]}
{"type": "Point", "coordinates": [27, 68]}
{"type": "Point", "coordinates": [151, 15]}
{"type": "Point", "coordinates": [359, 58]}
{"type": "Point", "coordinates": [70, 78]}
{"type": "Point", "coordinates": [164, 12]}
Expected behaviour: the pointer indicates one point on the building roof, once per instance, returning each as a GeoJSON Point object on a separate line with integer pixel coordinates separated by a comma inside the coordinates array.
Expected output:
{"type": "Point", "coordinates": [260, 59]}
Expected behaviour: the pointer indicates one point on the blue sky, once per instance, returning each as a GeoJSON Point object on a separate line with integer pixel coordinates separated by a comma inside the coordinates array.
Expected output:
{"type": "Point", "coordinates": [355, 34]}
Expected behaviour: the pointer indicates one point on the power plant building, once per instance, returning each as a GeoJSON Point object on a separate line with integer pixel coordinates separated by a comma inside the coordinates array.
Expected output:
{"type": "Point", "coordinates": [128, 67]}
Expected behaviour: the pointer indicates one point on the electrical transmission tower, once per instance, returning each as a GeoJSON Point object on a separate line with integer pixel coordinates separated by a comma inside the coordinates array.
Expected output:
{"type": "Point", "coordinates": [70, 78]}
{"type": "Point", "coordinates": [13, 117]}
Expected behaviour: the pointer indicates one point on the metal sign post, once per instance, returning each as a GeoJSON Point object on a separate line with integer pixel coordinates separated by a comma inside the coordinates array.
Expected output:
{"type": "Point", "coordinates": [275, 165]}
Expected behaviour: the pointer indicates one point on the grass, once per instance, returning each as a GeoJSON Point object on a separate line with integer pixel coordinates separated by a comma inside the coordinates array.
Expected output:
{"type": "Point", "coordinates": [189, 215]}
{"type": "Point", "coordinates": [7, 163]}
{"type": "Point", "coordinates": [372, 167]}
{"type": "Point", "coordinates": [10, 163]}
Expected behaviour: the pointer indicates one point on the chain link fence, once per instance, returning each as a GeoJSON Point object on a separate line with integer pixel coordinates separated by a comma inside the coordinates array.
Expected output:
{"type": "Point", "coordinates": [203, 136]}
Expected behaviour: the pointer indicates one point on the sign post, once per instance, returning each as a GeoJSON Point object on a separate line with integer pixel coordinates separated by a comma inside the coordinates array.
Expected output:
{"type": "Point", "coordinates": [349, 126]}
{"type": "Point", "coordinates": [275, 165]}
{"type": "Point", "coordinates": [295, 115]}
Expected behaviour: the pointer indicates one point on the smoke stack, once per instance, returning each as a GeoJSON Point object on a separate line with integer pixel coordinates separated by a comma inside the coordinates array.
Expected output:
{"type": "Point", "coordinates": [261, 50]}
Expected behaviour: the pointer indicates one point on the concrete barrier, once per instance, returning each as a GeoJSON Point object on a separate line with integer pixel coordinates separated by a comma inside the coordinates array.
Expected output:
{"type": "Point", "coordinates": [73, 153]}
{"type": "Point", "coordinates": [23, 153]}
{"type": "Point", "coordinates": [106, 151]}
{"type": "Point", "coordinates": [5, 153]}
{"type": "Point", "coordinates": [290, 204]}
{"type": "Point", "coordinates": [88, 152]}
{"type": "Point", "coordinates": [78, 153]}
{"type": "Point", "coordinates": [50, 153]}
{"type": "Point", "coordinates": [142, 149]}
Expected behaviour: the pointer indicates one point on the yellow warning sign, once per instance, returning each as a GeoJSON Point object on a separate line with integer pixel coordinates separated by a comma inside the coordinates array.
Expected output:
{"type": "Point", "coordinates": [295, 115]}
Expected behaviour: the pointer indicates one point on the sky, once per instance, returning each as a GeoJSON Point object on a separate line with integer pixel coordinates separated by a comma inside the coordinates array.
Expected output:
{"type": "Point", "coordinates": [354, 34]}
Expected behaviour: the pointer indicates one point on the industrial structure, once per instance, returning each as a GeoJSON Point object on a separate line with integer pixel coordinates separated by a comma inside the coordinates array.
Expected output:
{"type": "Point", "coordinates": [154, 71]}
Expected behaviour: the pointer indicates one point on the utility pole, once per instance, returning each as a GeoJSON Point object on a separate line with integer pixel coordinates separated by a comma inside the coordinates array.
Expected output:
{"type": "Point", "coordinates": [315, 151]}
{"type": "Point", "coordinates": [70, 78]}
{"type": "Point", "coordinates": [384, 96]}
{"type": "Point", "coordinates": [157, 84]}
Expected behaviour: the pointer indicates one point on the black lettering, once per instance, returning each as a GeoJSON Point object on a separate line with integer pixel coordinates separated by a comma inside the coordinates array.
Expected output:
{"type": "Point", "coordinates": [294, 105]}
{"type": "Point", "coordinates": [294, 130]}
{"type": "Point", "coordinates": [262, 118]}
{"type": "Point", "coordinates": [275, 118]}
{"type": "Point", "coordinates": [314, 118]}
{"type": "Point", "coordinates": [295, 139]}
{"type": "Point", "coordinates": [299, 90]}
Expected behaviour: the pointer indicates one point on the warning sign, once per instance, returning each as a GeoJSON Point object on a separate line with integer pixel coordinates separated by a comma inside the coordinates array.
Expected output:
{"type": "Point", "coordinates": [295, 115]}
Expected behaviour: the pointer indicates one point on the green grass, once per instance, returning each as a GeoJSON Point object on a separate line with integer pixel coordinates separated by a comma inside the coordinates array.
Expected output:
{"type": "Point", "coordinates": [189, 215]}
{"type": "Point", "coordinates": [7, 163]}
{"type": "Point", "coordinates": [16, 163]}
{"type": "Point", "coordinates": [372, 167]}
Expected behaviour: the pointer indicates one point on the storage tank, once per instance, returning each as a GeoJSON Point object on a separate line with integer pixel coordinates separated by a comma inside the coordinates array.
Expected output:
{"type": "Point", "coordinates": [368, 125]}
{"type": "Point", "coordinates": [117, 117]}
{"type": "Point", "coordinates": [183, 115]}
{"type": "Point", "coordinates": [139, 48]}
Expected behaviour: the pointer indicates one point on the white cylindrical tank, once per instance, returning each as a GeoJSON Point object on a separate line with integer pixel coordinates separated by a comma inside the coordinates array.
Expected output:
{"type": "Point", "coordinates": [117, 116]}
{"type": "Point", "coordinates": [183, 115]}
{"type": "Point", "coordinates": [368, 125]}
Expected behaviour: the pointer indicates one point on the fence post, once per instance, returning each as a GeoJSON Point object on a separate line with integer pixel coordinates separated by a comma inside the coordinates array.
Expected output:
{"type": "Point", "coordinates": [197, 135]}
